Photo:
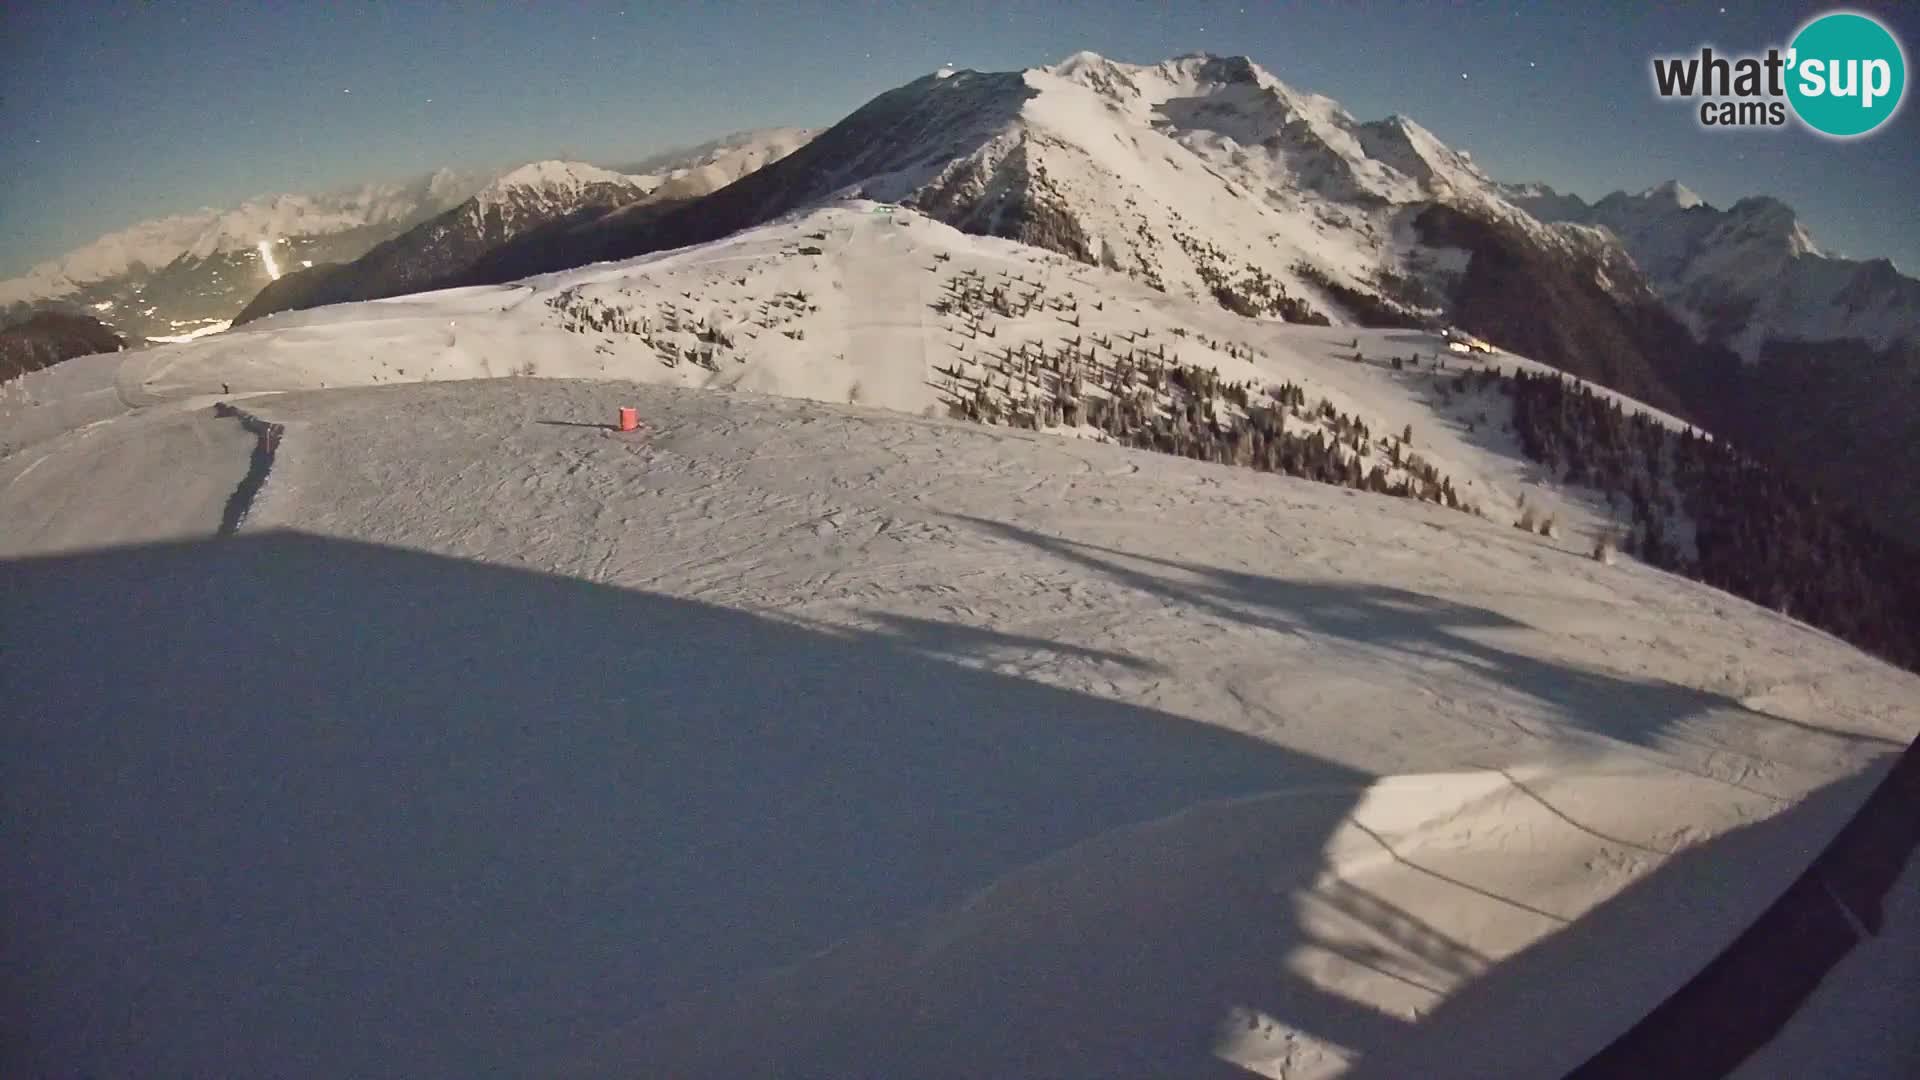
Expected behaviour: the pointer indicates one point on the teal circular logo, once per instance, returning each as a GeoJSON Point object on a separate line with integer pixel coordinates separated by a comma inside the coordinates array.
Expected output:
{"type": "Point", "coordinates": [1846, 74]}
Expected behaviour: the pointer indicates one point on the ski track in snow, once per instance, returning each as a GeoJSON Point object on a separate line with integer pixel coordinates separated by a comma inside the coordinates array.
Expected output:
{"type": "Point", "coordinates": [1502, 758]}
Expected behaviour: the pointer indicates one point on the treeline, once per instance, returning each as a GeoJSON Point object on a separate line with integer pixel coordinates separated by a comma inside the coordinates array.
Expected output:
{"type": "Point", "coordinates": [1134, 397]}
{"type": "Point", "coordinates": [1369, 309]}
{"type": "Point", "coordinates": [1699, 507]}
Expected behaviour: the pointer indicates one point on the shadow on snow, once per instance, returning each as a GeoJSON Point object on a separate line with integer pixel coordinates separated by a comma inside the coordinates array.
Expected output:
{"type": "Point", "coordinates": [280, 803]}
{"type": "Point", "coordinates": [287, 804]}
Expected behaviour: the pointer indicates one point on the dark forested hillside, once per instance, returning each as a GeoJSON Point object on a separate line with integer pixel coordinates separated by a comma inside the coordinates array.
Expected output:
{"type": "Point", "coordinates": [1702, 508]}
{"type": "Point", "coordinates": [1553, 304]}
{"type": "Point", "coordinates": [1841, 417]}
{"type": "Point", "coordinates": [48, 337]}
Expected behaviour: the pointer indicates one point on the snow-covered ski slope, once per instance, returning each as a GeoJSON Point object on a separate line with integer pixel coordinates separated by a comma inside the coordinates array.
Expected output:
{"type": "Point", "coordinates": [823, 738]}
{"type": "Point", "coordinates": [782, 734]}
{"type": "Point", "coordinates": [859, 321]}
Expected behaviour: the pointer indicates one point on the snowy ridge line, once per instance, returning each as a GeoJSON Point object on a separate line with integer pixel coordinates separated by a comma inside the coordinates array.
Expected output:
{"type": "Point", "coordinates": [268, 443]}
{"type": "Point", "coordinates": [1747, 995]}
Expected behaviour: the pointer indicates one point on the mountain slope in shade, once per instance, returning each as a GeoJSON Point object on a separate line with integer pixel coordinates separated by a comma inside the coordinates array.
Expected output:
{"type": "Point", "coordinates": [547, 194]}
{"type": "Point", "coordinates": [1748, 274]}
{"type": "Point", "coordinates": [527, 197]}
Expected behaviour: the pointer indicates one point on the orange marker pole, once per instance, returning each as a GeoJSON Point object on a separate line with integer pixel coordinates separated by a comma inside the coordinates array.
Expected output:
{"type": "Point", "coordinates": [629, 418]}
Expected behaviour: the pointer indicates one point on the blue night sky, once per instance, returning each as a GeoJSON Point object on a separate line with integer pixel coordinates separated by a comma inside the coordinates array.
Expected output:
{"type": "Point", "coordinates": [114, 113]}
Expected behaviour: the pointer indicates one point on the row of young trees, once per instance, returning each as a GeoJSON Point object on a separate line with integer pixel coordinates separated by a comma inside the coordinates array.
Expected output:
{"type": "Point", "coordinates": [1754, 533]}
{"type": "Point", "coordinates": [1253, 294]}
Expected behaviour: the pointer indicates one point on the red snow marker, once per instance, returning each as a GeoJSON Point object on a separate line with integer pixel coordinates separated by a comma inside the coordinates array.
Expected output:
{"type": "Point", "coordinates": [629, 418]}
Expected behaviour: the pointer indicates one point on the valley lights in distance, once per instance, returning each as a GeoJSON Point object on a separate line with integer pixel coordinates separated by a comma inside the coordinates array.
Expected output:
{"type": "Point", "coordinates": [1843, 74]}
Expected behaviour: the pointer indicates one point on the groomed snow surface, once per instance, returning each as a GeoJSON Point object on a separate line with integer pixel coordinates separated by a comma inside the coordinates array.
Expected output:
{"type": "Point", "coordinates": [789, 737]}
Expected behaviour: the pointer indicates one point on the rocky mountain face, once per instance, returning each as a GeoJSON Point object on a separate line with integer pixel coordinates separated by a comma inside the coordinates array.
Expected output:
{"type": "Point", "coordinates": [557, 195]}
{"type": "Point", "coordinates": [48, 337]}
{"type": "Point", "coordinates": [180, 274]}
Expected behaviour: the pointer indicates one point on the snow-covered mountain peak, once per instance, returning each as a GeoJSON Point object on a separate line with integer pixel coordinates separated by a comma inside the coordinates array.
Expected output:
{"type": "Point", "coordinates": [1417, 153]}
{"type": "Point", "coordinates": [1674, 193]}
{"type": "Point", "coordinates": [557, 176]}
{"type": "Point", "coordinates": [1769, 221]}
{"type": "Point", "coordinates": [543, 186]}
{"type": "Point", "coordinates": [1233, 106]}
{"type": "Point", "coordinates": [1086, 60]}
{"type": "Point", "coordinates": [1143, 87]}
{"type": "Point", "coordinates": [1203, 175]}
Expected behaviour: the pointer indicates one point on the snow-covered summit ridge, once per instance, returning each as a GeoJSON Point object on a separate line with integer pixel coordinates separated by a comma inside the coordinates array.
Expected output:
{"type": "Point", "coordinates": [1200, 174]}
{"type": "Point", "coordinates": [1232, 96]}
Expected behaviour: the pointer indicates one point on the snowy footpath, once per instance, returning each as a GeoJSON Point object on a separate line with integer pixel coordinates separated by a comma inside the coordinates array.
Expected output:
{"type": "Point", "coordinates": [787, 738]}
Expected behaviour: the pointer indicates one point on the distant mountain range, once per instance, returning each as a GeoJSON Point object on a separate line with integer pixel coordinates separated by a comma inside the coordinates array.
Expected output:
{"type": "Point", "coordinates": [445, 248]}
{"type": "Point", "coordinates": [1745, 275]}
{"type": "Point", "coordinates": [179, 274]}
{"type": "Point", "coordinates": [192, 273]}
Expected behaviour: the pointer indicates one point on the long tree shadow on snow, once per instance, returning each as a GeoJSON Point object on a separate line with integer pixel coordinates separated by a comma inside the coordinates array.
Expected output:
{"type": "Point", "coordinates": [280, 804]}
{"type": "Point", "coordinates": [1638, 711]}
